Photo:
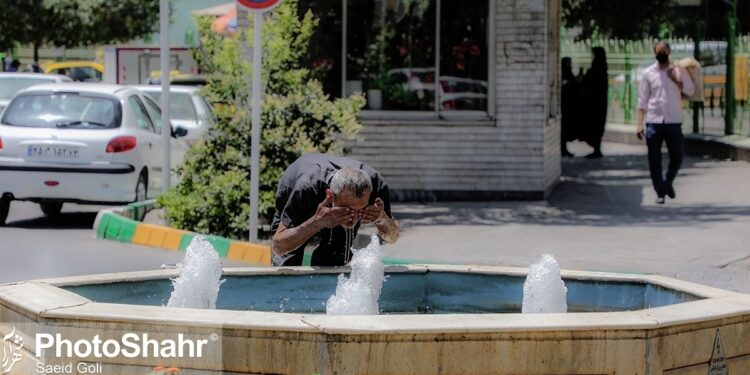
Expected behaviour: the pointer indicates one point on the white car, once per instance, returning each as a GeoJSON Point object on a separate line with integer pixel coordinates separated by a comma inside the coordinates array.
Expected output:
{"type": "Point", "coordinates": [12, 83]}
{"type": "Point", "coordinates": [83, 143]}
{"type": "Point", "coordinates": [187, 108]}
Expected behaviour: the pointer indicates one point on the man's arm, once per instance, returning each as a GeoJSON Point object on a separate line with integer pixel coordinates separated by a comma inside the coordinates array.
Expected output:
{"type": "Point", "coordinates": [640, 128]}
{"type": "Point", "coordinates": [644, 94]}
{"type": "Point", "coordinates": [287, 239]}
{"type": "Point", "coordinates": [688, 86]}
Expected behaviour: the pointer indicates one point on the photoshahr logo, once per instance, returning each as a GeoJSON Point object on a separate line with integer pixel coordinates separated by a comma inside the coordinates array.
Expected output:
{"type": "Point", "coordinates": [12, 344]}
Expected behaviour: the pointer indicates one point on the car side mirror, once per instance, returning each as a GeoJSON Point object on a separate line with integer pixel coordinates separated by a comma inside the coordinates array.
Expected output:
{"type": "Point", "coordinates": [179, 131]}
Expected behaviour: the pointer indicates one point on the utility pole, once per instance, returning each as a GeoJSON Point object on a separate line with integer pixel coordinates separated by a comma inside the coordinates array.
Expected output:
{"type": "Point", "coordinates": [699, 35]}
{"type": "Point", "coordinates": [729, 113]}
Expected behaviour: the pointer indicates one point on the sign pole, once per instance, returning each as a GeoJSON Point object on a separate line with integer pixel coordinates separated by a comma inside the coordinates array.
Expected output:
{"type": "Point", "coordinates": [166, 127]}
{"type": "Point", "coordinates": [256, 126]}
{"type": "Point", "coordinates": [258, 7]}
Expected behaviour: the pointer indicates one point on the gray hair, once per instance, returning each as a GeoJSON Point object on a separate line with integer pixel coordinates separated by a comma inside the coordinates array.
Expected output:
{"type": "Point", "coordinates": [355, 181]}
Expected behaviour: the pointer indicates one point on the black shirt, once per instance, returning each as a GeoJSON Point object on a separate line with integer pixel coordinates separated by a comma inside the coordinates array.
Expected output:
{"type": "Point", "coordinates": [302, 188]}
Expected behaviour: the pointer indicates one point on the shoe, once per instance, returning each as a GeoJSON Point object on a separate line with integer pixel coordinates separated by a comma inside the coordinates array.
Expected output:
{"type": "Point", "coordinates": [659, 200]}
{"type": "Point", "coordinates": [594, 155]}
{"type": "Point", "coordinates": [670, 192]}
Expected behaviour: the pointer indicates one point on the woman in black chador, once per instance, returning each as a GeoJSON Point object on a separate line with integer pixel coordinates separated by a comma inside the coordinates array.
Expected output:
{"type": "Point", "coordinates": [571, 97]}
{"type": "Point", "coordinates": [595, 90]}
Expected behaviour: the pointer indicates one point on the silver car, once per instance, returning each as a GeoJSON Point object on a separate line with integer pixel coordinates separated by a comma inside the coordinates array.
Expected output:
{"type": "Point", "coordinates": [12, 83]}
{"type": "Point", "coordinates": [187, 108]}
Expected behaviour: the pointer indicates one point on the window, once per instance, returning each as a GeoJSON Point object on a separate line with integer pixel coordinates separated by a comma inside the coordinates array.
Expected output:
{"type": "Point", "coordinates": [411, 58]}
{"type": "Point", "coordinates": [181, 105]}
{"type": "Point", "coordinates": [155, 112]}
{"type": "Point", "coordinates": [63, 110]}
{"type": "Point", "coordinates": [141, 116]}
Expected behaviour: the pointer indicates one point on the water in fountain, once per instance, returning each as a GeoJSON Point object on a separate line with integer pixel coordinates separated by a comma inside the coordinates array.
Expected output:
{"type": "Point", "coordinates": [197, 286]}
{"type": "Point", "coordinates": [544, 290]}
{"type": "Point", "coordinates": [358, 294]}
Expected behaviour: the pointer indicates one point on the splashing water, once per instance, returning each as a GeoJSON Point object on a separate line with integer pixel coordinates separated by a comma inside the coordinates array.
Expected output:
{"type": "Point", "coordinates": [358, 294]}
{"type": "Point", "coordinates": [544, 290]}
{"type": "Point", "coordinates": [197, 286]}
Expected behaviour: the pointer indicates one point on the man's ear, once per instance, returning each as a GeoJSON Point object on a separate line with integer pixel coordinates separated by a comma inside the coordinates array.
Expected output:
{"type": "Point", "coordinates": [329, 194]}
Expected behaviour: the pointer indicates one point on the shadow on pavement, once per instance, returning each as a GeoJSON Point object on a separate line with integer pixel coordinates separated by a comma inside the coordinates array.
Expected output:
{"type": "Point", "coordinates": [604, 192]}
{"type": "Point", "coordinates": [65, 220]}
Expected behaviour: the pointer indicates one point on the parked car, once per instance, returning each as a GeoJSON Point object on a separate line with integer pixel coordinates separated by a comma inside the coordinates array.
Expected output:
{"type": "Point", "coordinates": [83, 143]}
{"type": "Point", "coordinates": [187, 108]}
{"type": "Point", "coordinates": [79, 71]}
{"type": "Point", "coordinates": [11, 83]}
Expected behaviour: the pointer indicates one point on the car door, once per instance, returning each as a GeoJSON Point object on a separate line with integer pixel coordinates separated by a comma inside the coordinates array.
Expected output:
{"type": "Point", "coordinates": [178, 146]}
{"type": "Point", "coordinates": [151, 142]}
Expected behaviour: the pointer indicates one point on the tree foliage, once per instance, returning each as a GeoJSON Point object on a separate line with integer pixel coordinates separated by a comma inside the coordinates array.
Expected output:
{"type": "Point", "coordinates": [626, 19]}
{"type": "Point", "coordinates": [72, 23]}
{"type": "Point", "coordinates": [298, 118]}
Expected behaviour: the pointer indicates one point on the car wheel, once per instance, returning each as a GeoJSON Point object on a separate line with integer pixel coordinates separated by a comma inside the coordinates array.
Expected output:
{"type": "Point", "coordinates": [51, 208]}
{"type": "Point", "coordinates": [4, 209]}
{"type": "Point", "coordinates": [141, 188]}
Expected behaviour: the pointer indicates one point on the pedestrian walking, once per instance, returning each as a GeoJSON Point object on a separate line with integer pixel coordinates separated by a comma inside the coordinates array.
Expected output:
{"type": "Point", "coordinates": [595, 86]}
{"type": "Point", "coordinates": [571, 99]}
{"type": "Point", "coordinates": [660, 107]}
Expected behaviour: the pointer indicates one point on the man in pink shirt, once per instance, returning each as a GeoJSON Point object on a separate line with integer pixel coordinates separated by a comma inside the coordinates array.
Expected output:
{"type": "Point", "coordinates": [660, 107]}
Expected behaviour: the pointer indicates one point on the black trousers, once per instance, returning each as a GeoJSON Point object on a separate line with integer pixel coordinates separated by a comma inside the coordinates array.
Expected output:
{"type": "Point", "coordinates": [656, 135]}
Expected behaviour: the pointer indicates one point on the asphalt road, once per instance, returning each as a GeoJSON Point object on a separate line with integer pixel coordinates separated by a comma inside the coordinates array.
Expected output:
{"type": "Point", "coordinates": [33, 246]}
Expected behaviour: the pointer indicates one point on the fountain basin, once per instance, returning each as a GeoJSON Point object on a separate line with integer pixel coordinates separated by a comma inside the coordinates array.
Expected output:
{"type": "Point", "coordinates": [438, 320]}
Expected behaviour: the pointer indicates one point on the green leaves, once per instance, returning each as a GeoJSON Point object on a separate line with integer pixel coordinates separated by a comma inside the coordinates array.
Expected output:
{"type": "Point", "coordinates": [298, 118]}
{"type": "Point", "coordinates": [72, 23]}
{"type": "Point", "coordinates": [625, 19]}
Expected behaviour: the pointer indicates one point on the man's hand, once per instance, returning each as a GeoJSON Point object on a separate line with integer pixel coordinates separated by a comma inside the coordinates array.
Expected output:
{"type": "Point", "coordinates": [328, 217]}
{"type": "Point", "coordinates": [373, 212]}
{"type": "Point", "coordinates": [640, 131]}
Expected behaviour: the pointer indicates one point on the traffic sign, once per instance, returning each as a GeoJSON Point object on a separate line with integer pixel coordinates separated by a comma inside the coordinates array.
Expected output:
{"type": "Point", "coordinates": [258, 5]}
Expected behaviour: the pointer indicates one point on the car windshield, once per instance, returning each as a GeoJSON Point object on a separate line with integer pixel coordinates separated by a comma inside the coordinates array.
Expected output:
{"type": "Point", "coordinates": [180, 105]}
{"type": "Point", "coordinates": [63, 110]}
{"type": "Point", "coordinates": [9, 86]}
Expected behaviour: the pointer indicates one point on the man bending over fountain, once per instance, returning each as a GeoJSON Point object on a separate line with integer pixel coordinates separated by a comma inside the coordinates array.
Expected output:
{"type": "Point", "coordinates": [328, 196]}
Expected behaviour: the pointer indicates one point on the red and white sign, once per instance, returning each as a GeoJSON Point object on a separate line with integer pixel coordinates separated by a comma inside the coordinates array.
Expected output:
{"type": "Point", "coordinates": [258, 5]}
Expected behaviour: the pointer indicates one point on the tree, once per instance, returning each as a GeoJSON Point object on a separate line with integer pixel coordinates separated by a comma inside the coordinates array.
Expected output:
{"type": "Point", "coordinates": [626, 19]}
{"type": "Point", "coordinates": [71, 23]}
{"type": "Point", "coordinates": [298, 117]}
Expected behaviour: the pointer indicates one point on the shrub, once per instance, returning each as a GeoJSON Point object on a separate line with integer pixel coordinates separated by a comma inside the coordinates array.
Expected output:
{"type": "Point", "coordinates": [298, 118]}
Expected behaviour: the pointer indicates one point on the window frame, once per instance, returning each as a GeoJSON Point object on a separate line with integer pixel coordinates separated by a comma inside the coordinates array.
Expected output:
{"type": "Point", "coordinates": [438, 113]}
{"type": "Point", "coordinates": [140, 104]}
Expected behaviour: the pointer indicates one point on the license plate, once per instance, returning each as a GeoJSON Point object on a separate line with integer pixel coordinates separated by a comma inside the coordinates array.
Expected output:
{"type": "Point", "coordinates": [49, 151]}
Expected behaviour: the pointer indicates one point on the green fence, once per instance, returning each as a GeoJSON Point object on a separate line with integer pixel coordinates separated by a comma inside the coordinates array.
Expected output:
{"type": "Point", "coordinates": [626, 59]}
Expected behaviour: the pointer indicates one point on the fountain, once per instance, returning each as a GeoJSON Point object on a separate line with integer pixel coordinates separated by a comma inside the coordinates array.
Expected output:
{"type": "Point", "coordinates": [434, 319]}
{"type": "Point", "coordinates": [358, 294]}
{"type": "Point", "coordinates": [544, 290]}
{"type": "Point", "coordinates": [199, 280]}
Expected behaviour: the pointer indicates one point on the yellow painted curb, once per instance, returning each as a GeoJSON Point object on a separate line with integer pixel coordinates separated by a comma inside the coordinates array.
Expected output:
{"type": "Point", "coordinates": [172, 238]}
{"type": "Point", "coordinates": [250, 253]}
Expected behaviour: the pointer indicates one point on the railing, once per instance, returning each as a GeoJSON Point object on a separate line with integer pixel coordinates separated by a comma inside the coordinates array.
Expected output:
{"type": "Point", "coordinates": [626, 59]}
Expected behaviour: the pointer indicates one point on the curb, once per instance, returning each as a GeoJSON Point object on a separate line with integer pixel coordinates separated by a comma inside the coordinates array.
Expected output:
{"type": "Point", "coordinates": [123, 224]}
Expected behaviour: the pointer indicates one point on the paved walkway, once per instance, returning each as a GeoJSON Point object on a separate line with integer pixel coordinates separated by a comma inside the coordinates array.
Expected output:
{"type": "Point", "coordinates": [601, 217]}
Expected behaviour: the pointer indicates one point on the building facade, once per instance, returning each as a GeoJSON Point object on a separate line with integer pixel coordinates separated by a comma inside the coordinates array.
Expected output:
{"type": "Point", "coordinates": [463, 97]}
